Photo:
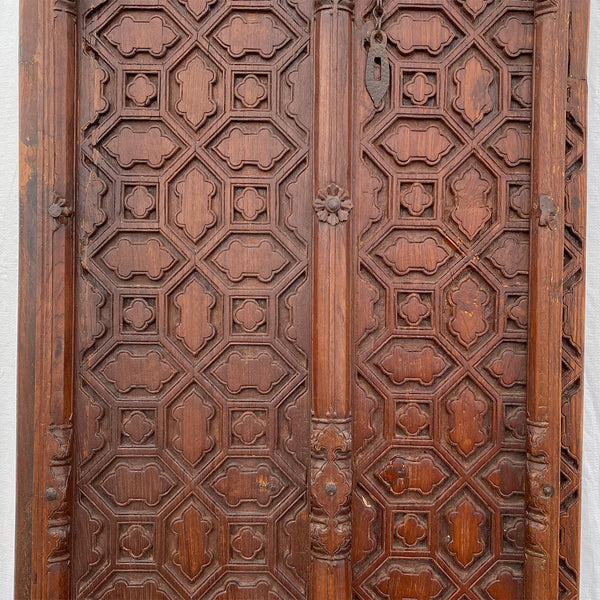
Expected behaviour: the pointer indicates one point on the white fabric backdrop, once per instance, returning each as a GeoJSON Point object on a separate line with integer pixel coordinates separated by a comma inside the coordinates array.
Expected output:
{"type": "Point", "coordinates": [590, 573]}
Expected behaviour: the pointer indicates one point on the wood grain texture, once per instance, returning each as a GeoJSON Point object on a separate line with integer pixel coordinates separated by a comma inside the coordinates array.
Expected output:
{"type": "Point", "coordinates": [48, 185]}
{"type": "Point", "coordinates": [441, 285]}
{"type": "Point", "coordinates": [252, 244]}
{"type": "Point", "coordinates": [192, 346]}
{"type": "Point", "coordinates": [573, 301]}
{"type": "Point", "coordinates": [545, 301]}
{"type": "Point", "coordinates": [331, 478]}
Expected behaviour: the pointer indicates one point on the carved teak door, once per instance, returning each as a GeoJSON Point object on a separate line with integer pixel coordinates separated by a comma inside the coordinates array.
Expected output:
{"type": "Point", "coordinates": [303, 238]}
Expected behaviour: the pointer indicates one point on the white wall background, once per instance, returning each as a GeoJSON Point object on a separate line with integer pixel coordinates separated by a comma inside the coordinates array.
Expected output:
{"type": "Point", "coordinates": [9, 220]}
{"type": "Point", "coordinates": [9, 40]}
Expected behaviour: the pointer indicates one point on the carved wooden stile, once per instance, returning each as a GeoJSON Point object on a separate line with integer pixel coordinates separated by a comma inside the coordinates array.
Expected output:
{"type": "Point", "coordinates": [331, 478]}
{"type": "Point", "coordinates": [544, 391]}
{"type": "Point", "coordinates": [302, 298]}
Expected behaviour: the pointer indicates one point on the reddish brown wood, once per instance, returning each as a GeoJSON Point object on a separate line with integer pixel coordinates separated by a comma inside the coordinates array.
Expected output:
{"type": "Point", "coordinates": [441, 290]}
{"type": "Point", "coordinates": [47, 193]}
{"type": "Point", "coordinates": [208, 249]}
{"type": "Point", "coordinates": [573, 300]}
{"type": "Point", "coordinates": [193, 301]}
{"type": "Point", "coordinates": [331, 478]}
{"type": "Point", "coordinates": [545, 301]}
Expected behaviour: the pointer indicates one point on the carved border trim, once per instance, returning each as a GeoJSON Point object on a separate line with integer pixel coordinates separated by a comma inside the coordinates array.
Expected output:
{"type": "Point", "coordinates": [545, 302]}
{"type": "Point", "coordinates": [331, 488]}
{"type": "Point", "coordinates": [48, 144]}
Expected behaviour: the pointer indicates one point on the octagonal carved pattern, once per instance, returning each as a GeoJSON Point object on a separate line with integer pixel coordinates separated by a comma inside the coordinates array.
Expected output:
{"type": "Point", "coordinates": [441, 306]}
{"type": "Point", "coordinates": [192, 358]}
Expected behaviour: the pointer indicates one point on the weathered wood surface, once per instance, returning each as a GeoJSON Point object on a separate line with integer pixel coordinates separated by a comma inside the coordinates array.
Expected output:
{"type": "Point", "coordinates": [271, 294]}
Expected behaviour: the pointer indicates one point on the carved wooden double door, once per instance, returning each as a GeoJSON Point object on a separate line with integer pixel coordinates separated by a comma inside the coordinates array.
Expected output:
{"type": "Point", "coordinates": [301, 312]}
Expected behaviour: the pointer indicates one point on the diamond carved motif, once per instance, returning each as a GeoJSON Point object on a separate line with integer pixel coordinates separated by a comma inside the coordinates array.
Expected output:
{"type": "Point", "coordinates": [198, 7]}
{"type": "Point", "coordinates": [193, 415]}
{"type": "Point", "coordinates": [471, 210]}
{"type": "Point", "coordinates": [195, 79]}
{"type": "Point", "coordinates": [475, 7]}
{"type": "Point", "coordinates": [195, 193]}
{"type": "Point", "coordinates": [191, 530]}
{"type": "Point", "coordinates": [466, 410]}
{"type": "Point", "coordinates": [469, 301]}
{"type": "Point", "coordinates": [473, 82]}
{"type": "Point", "coordinates": [465, 521]}
{"type": "Point", "coordinates": [194, 327]}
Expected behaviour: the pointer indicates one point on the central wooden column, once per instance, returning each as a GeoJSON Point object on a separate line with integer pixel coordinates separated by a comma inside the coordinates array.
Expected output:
{"type": "Point", "coordinates": [331, 479]}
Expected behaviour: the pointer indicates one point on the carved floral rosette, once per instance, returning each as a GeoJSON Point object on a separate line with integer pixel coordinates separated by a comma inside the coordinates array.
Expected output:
{"type": "Point", "coordinates": [330, 487]}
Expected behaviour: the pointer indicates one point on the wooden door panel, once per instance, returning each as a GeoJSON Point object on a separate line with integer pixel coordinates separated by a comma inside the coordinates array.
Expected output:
{"type": "Point", "coordinates": [192, 400]}
{"type": "Point", "coordinates": [291, 342]}
{"type": "Point", "coordinates": [441, 288]}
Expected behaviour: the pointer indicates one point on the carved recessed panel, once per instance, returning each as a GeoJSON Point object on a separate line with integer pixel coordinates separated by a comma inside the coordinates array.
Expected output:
{"type": "Point", "coordinates": [251, 148]}
{"type": "Point", "coordinates": [467, 416]}
{"type": "Point", "coordinates": [140, 147]}
{"type": "Point", "coordinates": [194, 131]}
{"type": "Point", "coordinates": [245, 371]}
{"type": "Point", "coordinates": [135, 486]}
{"type": "Point", "coordinates": [401, 578]}
{"type": "Point", "coordinates": [416, 256]}
{"type": "Point", "coordinates": [465, 529]}
{"type": "Point", "coordinates": [251, 260]}
{"type": "Point", "coordinates": [248, 486]}
{"type": "Point", "coordinates": [423, 35]}
{"type": "Point", "coordinates": [141, 35]}
{"type": "Point", "coordinates": [418, 144]}
{"type": "Point", "coordinates": [441, 302]}
{"type": "Point", "coordinates": [252, 36]}
{"type": "Point", "coordinates": [196, 90]}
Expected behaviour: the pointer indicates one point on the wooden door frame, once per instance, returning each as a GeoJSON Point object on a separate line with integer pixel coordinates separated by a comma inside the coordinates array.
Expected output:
{"type": "Point", "coordinates": [48, 104]}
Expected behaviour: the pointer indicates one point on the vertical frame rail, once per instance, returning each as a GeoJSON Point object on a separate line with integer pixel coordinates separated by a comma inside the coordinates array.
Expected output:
{"type": "Point", "coordinates": [574, 297]}
{"type": "Point", "coordinates": [545, 301]}
{"type": "Point", "coordinates": [331, 479]}
{"type": "Point", "coordinates": [48, 75]}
